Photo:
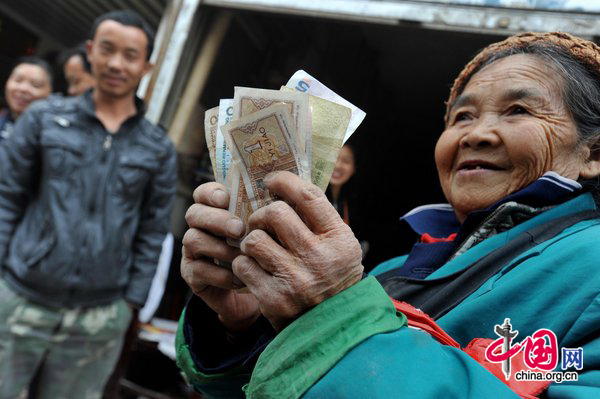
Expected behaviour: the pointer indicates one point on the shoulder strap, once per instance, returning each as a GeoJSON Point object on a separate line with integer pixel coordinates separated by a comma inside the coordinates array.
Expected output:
{"type": "Point", "coordinates": [437, 297]}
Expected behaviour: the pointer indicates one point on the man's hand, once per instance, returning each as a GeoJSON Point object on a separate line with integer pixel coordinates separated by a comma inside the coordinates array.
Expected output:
{"type": "Point", "coordinates": [210, 223]}
{"type": "Point", "coordinates": [294, 260]}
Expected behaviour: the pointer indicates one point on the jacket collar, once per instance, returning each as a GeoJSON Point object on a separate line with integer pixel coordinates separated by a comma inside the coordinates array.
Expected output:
{"type": "Point", "coordinates": [439, 220]}
{"type": "Point", "coordinates": [88, 106]}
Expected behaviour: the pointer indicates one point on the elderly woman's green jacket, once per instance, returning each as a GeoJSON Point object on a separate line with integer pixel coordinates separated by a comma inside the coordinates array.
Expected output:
{"type": "Point", "coordinates": [355, 345]}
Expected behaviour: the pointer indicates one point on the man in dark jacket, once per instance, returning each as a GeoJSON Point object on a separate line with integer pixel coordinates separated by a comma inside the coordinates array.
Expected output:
{"type": "Point", "coordinates": [86, 188]}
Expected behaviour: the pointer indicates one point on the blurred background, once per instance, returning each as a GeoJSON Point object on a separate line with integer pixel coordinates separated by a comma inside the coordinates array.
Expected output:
{"type": "Point", "coordinates": [395, 60]}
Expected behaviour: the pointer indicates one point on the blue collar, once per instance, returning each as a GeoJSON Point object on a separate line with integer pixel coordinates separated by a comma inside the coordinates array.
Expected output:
{"type": "Point", "coordinates": [440, 221]}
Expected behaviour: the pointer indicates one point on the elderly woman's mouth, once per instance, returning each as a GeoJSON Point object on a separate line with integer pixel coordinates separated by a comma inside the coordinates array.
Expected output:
{"type": "Point", "coordinates": [478, 165]}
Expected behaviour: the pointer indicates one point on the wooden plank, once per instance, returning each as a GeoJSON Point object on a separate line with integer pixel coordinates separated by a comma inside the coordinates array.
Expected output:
{"type": "Point", "coordinates": [199, 76]}
{"type": "Point", "coordinates": [173, 51]}
{"type": "Point", "coordinates": [161, 43]}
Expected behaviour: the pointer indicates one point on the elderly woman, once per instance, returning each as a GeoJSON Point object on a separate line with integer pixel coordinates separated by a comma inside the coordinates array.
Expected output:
{"type": "Point", "coordinates": [518, 162]}
{"type": "Point", "coordinates": [29, 80]}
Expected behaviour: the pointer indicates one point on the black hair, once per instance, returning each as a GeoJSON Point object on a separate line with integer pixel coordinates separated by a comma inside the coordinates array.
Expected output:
{"type": "Point", "coordinates": [127, 18]}
{"type": "Point", "coordinates": [42, 63]}
{"type": "Point", "coordinates": [79, 51]}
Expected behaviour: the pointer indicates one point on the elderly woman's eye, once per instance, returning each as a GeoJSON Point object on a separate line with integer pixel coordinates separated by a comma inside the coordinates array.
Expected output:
{"type": "Point", "coordinates": [518, 110]}
{"type": "Point", "coordinates": [462, 116]}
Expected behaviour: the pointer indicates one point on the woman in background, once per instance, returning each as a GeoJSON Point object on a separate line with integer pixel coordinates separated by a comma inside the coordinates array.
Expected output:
{"type": "Point", "coordinates": [29, 80]}
{"type": "Point", "coordinates": [338, 191]}
{"type": "Point", "coordinates": [342, 192]}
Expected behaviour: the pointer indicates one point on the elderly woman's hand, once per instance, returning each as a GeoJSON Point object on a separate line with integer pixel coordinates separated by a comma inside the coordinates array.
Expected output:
{"type": "Point", "coordinates": [210, 223]}
{"type": "Point", "coordinates": [313, 257]}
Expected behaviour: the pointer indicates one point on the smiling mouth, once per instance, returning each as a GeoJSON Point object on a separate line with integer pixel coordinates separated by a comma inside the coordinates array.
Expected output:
{"type": "Point", "coordinates": [114, 78]}
{"type": "Point", "coordinates": [21, 101]}
{"type": "Point", "coordinates": [478, 165]}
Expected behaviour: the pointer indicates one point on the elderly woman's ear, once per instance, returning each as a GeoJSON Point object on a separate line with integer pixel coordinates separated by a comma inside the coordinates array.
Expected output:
{"type": "Point", "coordinates": [591, 168]}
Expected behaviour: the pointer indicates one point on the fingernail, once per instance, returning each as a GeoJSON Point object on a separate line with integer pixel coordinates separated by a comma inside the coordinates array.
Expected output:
{"type": "Point", "coordinates": [235, 227]}
{"type": "Point", "coordinates": [219, 198]}
{"type": "Point", "coordinates": [270, 176]}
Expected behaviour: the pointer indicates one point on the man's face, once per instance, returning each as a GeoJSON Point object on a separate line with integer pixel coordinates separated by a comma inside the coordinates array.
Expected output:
{"type": "Point", "coordinates": [117, 54]}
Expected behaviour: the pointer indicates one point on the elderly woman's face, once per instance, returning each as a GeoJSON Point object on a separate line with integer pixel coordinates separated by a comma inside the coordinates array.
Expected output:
{"type": "Point", "coordinates": [507, 128]}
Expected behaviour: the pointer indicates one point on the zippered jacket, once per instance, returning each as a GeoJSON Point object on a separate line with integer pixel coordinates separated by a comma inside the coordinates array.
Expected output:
{"type": "Point", "coordinates": [83, 212]}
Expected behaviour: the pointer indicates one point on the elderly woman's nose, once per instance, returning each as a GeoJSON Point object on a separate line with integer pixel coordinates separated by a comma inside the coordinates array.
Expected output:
{"type": "Point", "coordinates": [482, 134]}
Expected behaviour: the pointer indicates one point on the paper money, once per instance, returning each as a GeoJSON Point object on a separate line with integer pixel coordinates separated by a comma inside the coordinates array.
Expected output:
{"type": "Point", "coordinates": [329, 122]}
{"type": "Point", "coordinates": [229, 175]}
{"type": "Point", "coordinates": [263, 142]}
{"type": "Point", "coordinates": [239, 204]}
{"type": "Point", "coordinates": [211, 120]}
{"type": "Point", "coordinates": [259, 131]}
{"type": "Point", "coordinates": [248, 100]}
{"type": "Point", "coordinates": [222, 153]}
{"type": "Point", "coordinates": [225, 172]}
{"type": "Point", "coordinates": [238, 192]}
{"type": "Point", "coordinates": [303, 82]}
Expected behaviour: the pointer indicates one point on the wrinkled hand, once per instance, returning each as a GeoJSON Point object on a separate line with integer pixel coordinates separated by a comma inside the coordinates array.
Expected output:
{"type": "Point", "coordinates": [210, 223]}
{"type": "Point", "coordinates": [313, 257]}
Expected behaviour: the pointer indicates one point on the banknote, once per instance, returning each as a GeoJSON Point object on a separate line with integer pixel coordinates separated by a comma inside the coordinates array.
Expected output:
{"type": "Point", "coordinates": [228, 172]}
{"type": "Point", "coordinates": [260, 143]}
{"type": "Point", "coordinates": [323, 165]}
{"type": "Point", "coordinates": [300, 128]}
{"type": "Point", "coordinates": [247, 100]}
{"type": "Point", "coordinates": [222, 153]}
{"type": "Point", "coordinates": [211, 123]}
{"type": "Point", "coordinates": [303, 82]}
{"type": "Point", "coordinates": [329, 122]}
{"type": "Point", "coordinates": [239, 204]}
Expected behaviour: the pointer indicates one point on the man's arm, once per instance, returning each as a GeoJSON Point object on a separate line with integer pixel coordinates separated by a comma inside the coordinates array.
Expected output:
{"type": "Point", "coordinates": [152, 229]}
{"type": "Point", "coordinates": [19, 162]}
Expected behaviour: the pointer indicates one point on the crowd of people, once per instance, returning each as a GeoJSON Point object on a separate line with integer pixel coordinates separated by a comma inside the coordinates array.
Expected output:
{"type": "Point", "coordinates": [87, 186]}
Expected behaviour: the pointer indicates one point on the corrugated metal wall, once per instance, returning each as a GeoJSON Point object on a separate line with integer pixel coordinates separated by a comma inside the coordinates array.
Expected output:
{"type": "Point", "coordinates": [67, 22]}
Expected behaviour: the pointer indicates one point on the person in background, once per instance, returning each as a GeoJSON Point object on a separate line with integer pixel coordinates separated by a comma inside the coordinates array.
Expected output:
{"type": "Point", "coordinates": [29, 80]}
{"type": "Point", "coordinates": [86, 188]}
{"type": "Point", "coordinates": [77, 71]}
{"type": "Point", "coordinates": [342, 173]}
{"type": "Point", "coordinates": [343, 193]}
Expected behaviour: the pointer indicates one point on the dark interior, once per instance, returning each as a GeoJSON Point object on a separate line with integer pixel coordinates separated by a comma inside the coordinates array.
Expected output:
{"type": "Point", "coordinates": [15, 41]}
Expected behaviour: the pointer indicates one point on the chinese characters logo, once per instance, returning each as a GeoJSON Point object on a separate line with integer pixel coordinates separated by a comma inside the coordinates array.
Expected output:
{"type": "Point", "coordinates": [540, 353]}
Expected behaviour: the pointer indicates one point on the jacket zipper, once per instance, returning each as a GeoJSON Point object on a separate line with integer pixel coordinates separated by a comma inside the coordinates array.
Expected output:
{"type": "Point", "coordinates": [107, 142]}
